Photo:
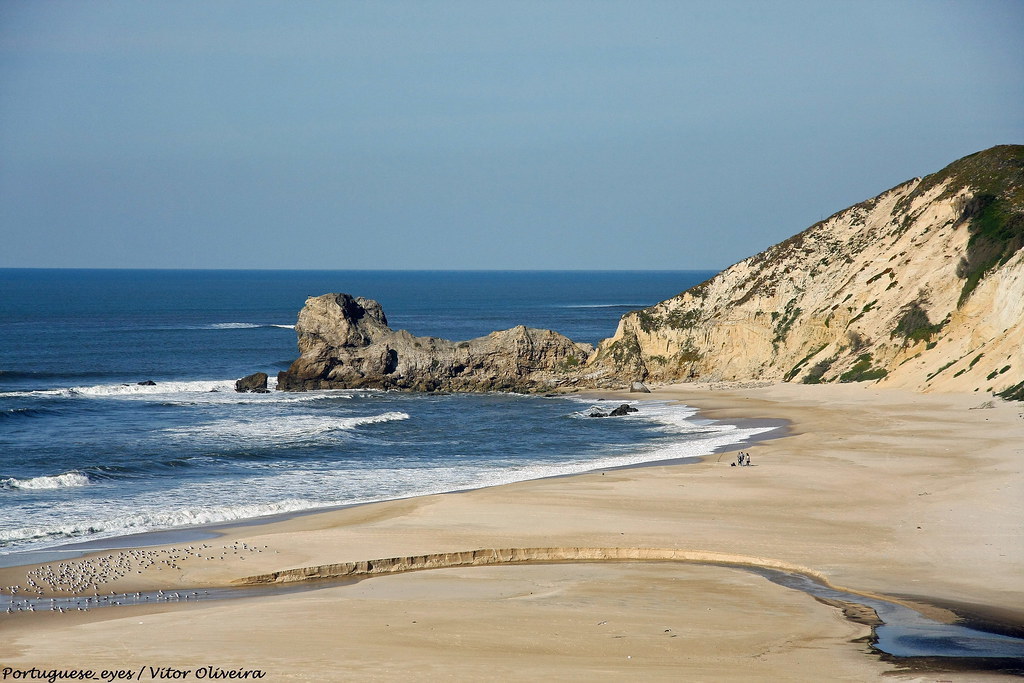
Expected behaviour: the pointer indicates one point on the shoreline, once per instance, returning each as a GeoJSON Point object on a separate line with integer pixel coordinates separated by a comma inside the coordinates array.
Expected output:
{"type": "Point", "coordinates": [880, 490]}
{"type": "Point", "coordinates": [213, 530]}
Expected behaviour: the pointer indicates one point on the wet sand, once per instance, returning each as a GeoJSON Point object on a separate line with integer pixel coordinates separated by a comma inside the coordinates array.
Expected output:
{"type": "Point", "coordinates": [879, 491]}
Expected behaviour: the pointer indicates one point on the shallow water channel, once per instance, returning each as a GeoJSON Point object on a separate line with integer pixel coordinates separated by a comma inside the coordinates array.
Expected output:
{"type": "Point", "coordinates": [908, 633]}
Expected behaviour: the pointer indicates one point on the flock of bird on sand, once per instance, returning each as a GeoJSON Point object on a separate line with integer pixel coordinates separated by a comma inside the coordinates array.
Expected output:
{"type": "Point", "coordinates": [79, 584]}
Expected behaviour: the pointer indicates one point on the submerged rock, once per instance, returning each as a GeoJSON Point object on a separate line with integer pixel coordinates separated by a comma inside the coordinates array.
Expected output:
{"type": "Point", "coordinates": [345, 343]}
{"type": "Point", "coordinates": [624, 409]}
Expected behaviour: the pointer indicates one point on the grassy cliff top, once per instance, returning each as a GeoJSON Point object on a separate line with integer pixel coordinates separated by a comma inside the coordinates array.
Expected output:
{"type": "Point", "coordinates": [997, 171]}
{"type": "Point", "coordinates": [994, 214]}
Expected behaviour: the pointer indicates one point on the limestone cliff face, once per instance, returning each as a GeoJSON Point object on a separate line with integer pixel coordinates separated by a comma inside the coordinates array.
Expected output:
{"type": "Point", "coordinates": [921, 287]}
{"type": "Point", "coordinates": [345, 343]}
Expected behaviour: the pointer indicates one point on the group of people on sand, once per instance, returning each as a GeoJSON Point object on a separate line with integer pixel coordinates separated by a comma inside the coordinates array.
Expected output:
{"type": "Point", "coordinates": [743, 459]}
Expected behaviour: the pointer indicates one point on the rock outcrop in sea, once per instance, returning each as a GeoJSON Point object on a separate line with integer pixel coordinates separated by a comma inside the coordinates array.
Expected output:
{"type": "Point", "coordinates": [345, 343]}
{"type": "Point", "coordinates": [255, 383]}
{"type": "Point", "coordinates": [921, 287]}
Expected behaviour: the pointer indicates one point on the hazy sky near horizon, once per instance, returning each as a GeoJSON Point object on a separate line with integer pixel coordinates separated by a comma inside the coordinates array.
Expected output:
{"type": "Point", "coordinates": [478, 134]}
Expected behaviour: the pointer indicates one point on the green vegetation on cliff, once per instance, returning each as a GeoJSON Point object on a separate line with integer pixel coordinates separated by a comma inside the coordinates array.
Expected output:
{"type": "Point", "coordinates": [997, 233]}
{"type": "Point", "coordinates": [1014, 393]}
{"type": "Point", "coordinates": [914, 325]}
{"type": "Point", "coordinates": [862, 371]}
{"type": "Point", "coordinates": [994, 213]}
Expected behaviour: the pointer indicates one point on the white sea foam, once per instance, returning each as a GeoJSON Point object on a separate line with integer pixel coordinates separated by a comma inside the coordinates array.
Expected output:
{"type": "Point", "coordinates": [605, 306]}
{"type": "Point", "coordinates": [184, 393]}
{"type": "Point", "coordinates": [277, 429]}
{"type": "Point", "coordinates": [70, 479]}
{"type": "Point", "coordinates": [235, 398]}
{"type": "Point", "coordinates": [698, 437]}
{"type": "Point", "coordinates": [149, 520]}
{"type": "Point", "coordinates": [667, 413]}
{"type": "Point", "coordinates": [158, 388]}
{"type": "Point", "coordinates": [232, 326]}
{"type": "Point", "coordinates": [176, 390]}
{"type": "Point", "coordinates": [242, 326]}
{"type": "Point", "coordinates": [225, 326]}
{"type": "Point", "coordinates": [129, 389]}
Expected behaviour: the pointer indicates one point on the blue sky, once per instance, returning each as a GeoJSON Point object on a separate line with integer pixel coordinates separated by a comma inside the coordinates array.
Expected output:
{"type": "Point", "coordinates": [478, 135]}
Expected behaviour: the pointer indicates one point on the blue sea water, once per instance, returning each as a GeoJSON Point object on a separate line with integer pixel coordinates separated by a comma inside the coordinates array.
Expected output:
{"type": "Point", "coordinates": [86, 452]}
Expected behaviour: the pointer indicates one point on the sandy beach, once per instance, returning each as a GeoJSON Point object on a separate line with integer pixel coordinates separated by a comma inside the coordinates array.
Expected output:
{"type": "Point", "coordinates": [918, 497]}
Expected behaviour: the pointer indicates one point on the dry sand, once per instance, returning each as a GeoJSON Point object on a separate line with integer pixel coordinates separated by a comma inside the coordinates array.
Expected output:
{"type": "Point", "coordinates": [880, 491]}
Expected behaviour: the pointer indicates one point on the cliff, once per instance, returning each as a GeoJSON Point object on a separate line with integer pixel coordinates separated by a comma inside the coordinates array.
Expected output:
{"type": "Point", "coordinates": [921, 287]}
{"type": "Point", "coordinates": [345, 343]}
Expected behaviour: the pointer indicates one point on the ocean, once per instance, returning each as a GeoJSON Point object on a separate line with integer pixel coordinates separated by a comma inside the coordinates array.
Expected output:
{"type": "Point", "coordinates": [118, 413]}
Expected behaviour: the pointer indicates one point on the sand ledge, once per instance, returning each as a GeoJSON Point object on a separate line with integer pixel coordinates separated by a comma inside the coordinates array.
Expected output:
{"type": "Point", "coordinates": [501, 556]}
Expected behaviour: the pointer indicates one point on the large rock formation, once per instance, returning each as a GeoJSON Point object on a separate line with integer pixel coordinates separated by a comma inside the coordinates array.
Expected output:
{"type": "Point", "coordinates": [921, 287]}
{"type": "Point", "coordinates": [346, 343]}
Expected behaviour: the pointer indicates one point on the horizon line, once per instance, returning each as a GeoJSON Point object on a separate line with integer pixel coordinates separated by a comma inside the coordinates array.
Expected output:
{"type": "Point", "coordinates": [367, 270]}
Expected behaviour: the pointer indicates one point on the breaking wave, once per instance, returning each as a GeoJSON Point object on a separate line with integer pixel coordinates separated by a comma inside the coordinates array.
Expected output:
{"type": "Point", "coordinates": [627, 306]}
{"type": "Point", "coordinates": [66, 480]}
{"type": "Point", "coordinates": [699, 437]}
{"type": "Point", "coordinates": [241, 326]}
{"type": "Point", "coordinates": [151, 520]}
{"type": "Point", "coordinates": [289, 428]}
{"type": "Point", "coordinates": [128, 389]}
{"type": "Point", "coordinates": [171, 390]}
